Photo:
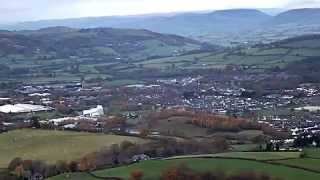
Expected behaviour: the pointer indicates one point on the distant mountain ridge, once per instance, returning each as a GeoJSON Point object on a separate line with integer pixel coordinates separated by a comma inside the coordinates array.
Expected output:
{"type": "Point", "coordinates": [297, 16]}
{"type": "Point", "coordinates": [221, 25]}
{"type": "Point", "coordinates": [153, 22]}
{"type": "Point", "coordinates": [182, 24]}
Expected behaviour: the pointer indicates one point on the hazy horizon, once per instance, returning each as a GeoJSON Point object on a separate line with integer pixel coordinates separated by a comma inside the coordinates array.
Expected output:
{"type": "Point", "coordinates": [16, 11]}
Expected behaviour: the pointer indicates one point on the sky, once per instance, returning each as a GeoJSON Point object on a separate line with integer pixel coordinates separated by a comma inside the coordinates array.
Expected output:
{"type": "Point", "coordinates": [30, 10]}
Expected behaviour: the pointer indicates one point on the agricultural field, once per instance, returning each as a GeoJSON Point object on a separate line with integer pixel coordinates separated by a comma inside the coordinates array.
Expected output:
{"type": "Point", "coordinates": [52, 146]}
{"type": "Point", "coordinates": [312, 152]}
{"type": "Point", "coordinates": [169, 126]}
{"type": "Point", "coordinates": [259, 156]}
{"type": "Point", "coordinates": [246, 147]}
{"type": "Point", "coordinates": [308, 163]}
{"type": "Point", "coordinates": [153, 169]}
{"type": "Point", "coordinates": [259, 57]}
{"type": "Point", "coordinates": [41, 71]}
{"type": "Point", "coordinates": [186, 129]}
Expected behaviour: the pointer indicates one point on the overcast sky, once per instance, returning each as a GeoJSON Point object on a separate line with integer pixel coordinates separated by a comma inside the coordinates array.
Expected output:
{"type": "Point", "coordinates": [28, 10]}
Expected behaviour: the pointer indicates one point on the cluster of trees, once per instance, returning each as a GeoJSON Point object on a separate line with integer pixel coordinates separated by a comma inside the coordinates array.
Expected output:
{"type": "Point", "coordinates": [167, 113]}
{"type": "Point", "coordinates": [232, 124]}
{"type": "Point", "coordinates": [223, 123]}
{"type": "Point", "coordinates": [7, 71]}
{"type": "Point", "coordinates": [122, 154]}
{"type": "Point", "coordinates": [216, 122]}
{"type": "Point", "coordinates": [24, 169]}
{"type": "Point", "coordinates": [136, 175]}
{"type": "Point", "coordinates": [182, 172]}
{"type": "Point", "coordinates": [307, 69]}
{"type": "Point", "coordinates": [116, 155]}
{"type": "Point", "coordinates": [8, 85]}
{"type": "Point", "coordinates": [277, 82]}
{"type": "Point", "coordinates": [63, 108]}
{"type": "Point", "coordinates": [305, 140]}
{"type": "Point", "coordinates": [113, 122]}
{"type": "Point", "coordinates": [272, 146]}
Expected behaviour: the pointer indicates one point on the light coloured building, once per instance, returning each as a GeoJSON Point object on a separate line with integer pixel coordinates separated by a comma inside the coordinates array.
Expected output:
{"type": "Point", "coordinates": [95, 112]}
{"type": "Point", "coordinates": [23, 108]}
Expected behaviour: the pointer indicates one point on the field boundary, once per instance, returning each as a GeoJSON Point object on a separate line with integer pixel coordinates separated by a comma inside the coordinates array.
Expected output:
{"type": "Point", "coordinates": [293, 166]}
{"type": "Point", "coordinates": [107, 178]}
{"type": "Point", "coordinates": [254, 160]}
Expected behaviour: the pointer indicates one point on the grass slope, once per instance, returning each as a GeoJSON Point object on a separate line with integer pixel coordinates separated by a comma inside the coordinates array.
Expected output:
{"type": "Point", "coordinates": [313, 164]}
{"type": "Point", "coordinates": [312, 152]}
{"type": "Point", "coordinates": [261, 156]}
{"type": "Point", "coordinates": [266, 57]}
{"type": "Point", "coordinates": [152, 169]}
{"type": "Point", "coordinates": [53, 145]}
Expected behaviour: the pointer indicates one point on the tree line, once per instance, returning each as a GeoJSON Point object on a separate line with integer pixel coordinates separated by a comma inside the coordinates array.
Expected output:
{"type": "Point", "coordinates": [114, 156]}
{"type": "Point", "coordinates": [183, 172]}
{"type": "Point", "coordinates": [216, 123]}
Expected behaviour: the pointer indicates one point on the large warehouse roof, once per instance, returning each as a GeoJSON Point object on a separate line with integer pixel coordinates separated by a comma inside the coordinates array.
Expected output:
{"type": "Point", "coordinates": [22, 108]}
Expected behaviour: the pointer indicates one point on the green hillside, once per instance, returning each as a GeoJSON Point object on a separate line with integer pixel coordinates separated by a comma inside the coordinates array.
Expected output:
{"type": "Point", "coordinates": [103, 64]}
{"type": "Point", "coordinates": [278, 54]}
{"type": "Point", "coordinates": [108, 43]}
{"type": "Point", "coordinates": [52, 146]}
{"type": "Point", "coordinates": [152, 169]}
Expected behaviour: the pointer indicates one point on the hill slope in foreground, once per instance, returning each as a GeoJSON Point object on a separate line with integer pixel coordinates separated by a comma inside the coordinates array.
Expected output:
{"type": "Point", "coordinates": [52, 146]}
{"type": "Point", "coordinates": [153, 169]}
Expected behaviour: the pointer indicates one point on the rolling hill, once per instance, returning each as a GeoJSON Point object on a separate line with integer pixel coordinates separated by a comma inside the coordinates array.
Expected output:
{"type": "Point", "coordinates": [152, 169]}
{"type": "Point", "coordinates": [99, 42]}
{"type": "Point", "coordinates": [306, 41]}
{"type": "Point", "coordinates": [218, 22]}
{"type": "Point", "coordinates": [65, 54]}
{"type": "Point", "coordinates": [297, 16]}
{"type": "Point", "coordinates": [182, 24]}
{"type": "Point", "coordinates": [29, 144]}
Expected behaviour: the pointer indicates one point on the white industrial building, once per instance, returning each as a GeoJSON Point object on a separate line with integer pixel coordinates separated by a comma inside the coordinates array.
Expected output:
{"type": "Point", "coordinates": [23, 108]}
{"type": "Point", "coordinates": [95, 112]}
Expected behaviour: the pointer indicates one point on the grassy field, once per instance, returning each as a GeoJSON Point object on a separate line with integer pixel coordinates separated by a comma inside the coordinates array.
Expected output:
{"type": "Point", "coordinates": [312, 152]}
{"type": "Point", "coordinates": [153, 169]}
{"type": "Point", "coordinates": [53, 145]}
{"type": "Point", "coordinates": [257, 58]}
{"type": "Point", "coordinates": [262, 58]}
{"type": "Point", "coordinates": [313, 164]}
{"type": "Point", "coordinates": [261, 156]}
{"type": "Point", "coordinates": [246, 147]}
{"type": "Point", "coordinates": [168, 127]}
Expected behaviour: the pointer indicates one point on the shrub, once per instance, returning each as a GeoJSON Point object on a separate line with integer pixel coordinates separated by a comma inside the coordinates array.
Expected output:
{"type": "Point", "coordinates": [136, 175]}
